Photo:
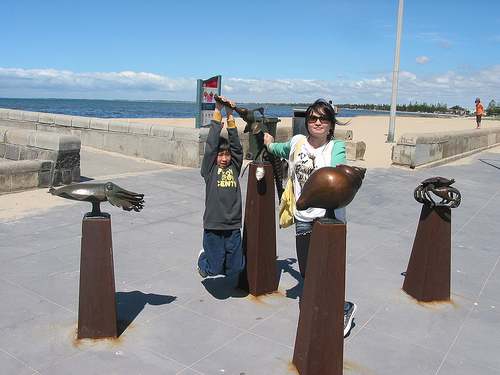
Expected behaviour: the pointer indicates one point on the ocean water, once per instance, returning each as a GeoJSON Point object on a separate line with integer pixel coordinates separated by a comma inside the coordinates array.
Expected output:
{"type": "Point", "coordinates": [140, 109]}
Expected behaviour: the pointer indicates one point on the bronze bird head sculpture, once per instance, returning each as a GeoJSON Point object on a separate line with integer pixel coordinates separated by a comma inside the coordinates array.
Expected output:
{"type": "Point", "coordinates": [331, 187]}
{"type": "Point", "coordinates": [246, 114]}
{"type": "Point", "coordinates": [101, 192]}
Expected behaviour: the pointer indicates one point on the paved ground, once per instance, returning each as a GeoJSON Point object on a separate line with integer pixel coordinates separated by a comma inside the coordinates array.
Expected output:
{"type": "Point", "coordinates": [174, 322]}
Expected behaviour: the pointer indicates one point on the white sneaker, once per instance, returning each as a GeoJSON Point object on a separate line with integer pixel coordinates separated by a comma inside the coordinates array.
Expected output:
{"type": "Point", "coordinates": [200, 271]}
{"type": "Point", "coordinates": [349, 311]}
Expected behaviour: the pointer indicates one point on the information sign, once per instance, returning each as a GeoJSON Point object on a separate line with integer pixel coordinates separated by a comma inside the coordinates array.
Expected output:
{"type": "Point", "coordinates": [205, 101]}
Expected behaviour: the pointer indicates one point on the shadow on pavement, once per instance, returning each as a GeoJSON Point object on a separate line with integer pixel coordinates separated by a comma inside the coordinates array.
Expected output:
{"type": "Point", "coordinates": [130, 304]}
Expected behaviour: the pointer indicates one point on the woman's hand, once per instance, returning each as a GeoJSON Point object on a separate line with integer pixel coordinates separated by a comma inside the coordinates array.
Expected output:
{"type": "Point", "coordinates": [268, 138]}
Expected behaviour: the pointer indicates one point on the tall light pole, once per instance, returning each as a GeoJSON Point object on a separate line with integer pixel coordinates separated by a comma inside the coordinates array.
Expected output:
{"type": "Point", "coordinates": [395, 75]}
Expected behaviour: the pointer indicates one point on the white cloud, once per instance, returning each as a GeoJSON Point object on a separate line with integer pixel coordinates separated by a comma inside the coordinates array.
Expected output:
{"type": "Point", "coordinates": [494, 38]}
{"type": "Point", "coordinates": [66, 84]}
{"type": "Point", "coordinates": [442, 43]}
{"type": "Point", "coordinates": [452, 87]}
{"type": "Point", "coordinates": [422, 60]}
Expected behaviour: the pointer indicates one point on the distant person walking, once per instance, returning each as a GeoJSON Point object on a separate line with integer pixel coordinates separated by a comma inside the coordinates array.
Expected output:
{"type": "Point", "coordinates": [479, 113]}
{"type": "Point", "coordinates": [335, 109]}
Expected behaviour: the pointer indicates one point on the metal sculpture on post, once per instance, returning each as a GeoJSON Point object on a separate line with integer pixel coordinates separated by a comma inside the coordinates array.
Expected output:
{"type": "Point", "coordinates": [319, 344]}
{"type": "Point", "coordinates": [97, 303]}
{"type": "Point", "coordinates": [428, 276]}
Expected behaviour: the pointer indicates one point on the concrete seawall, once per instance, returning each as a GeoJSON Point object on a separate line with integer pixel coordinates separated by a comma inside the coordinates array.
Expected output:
{"type": "Point", "coordinates": [30, 159]}
{"type": "Point", "coordinates": [429, 149]}
{"type": "Point", "coordinates": [173, 145]}
{"type": "Point", "coordinates": [176, 145]}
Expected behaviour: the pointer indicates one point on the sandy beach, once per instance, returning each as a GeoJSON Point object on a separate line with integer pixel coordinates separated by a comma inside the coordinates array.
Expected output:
{"type": "Point", "coordinates": [370, 129]}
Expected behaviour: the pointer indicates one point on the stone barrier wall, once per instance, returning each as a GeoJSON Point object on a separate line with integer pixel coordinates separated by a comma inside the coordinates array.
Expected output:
{"type": "Point", "coordinates": [31, 158]}
{"type": "Point", "coordinates": [430, 149]}
{"type": "Point", "coordinates": [167, 144]}
{"type": "Point", "coordinates": [173, 145]}
{"type": "Point", "coordinates": [21, 175]}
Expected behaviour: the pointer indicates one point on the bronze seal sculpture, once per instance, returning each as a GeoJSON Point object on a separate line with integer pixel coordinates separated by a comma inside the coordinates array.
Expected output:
{"type": "Point", "coordinates": [101, 192]}
{"type": "Point", "coordinates": [331, 187]}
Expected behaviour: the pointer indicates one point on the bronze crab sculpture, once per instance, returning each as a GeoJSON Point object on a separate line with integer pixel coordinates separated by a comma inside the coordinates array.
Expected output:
{"type": "Point", "coordinates": [440, 187]}
{"type": "Point", "coordinates": [101, 192]}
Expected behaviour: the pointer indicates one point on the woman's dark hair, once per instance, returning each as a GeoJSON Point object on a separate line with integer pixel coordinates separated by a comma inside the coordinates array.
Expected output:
{"type": "Point", "coordinates": [322, 106]}
{"type": "Point", "coordinates": [223, 145]}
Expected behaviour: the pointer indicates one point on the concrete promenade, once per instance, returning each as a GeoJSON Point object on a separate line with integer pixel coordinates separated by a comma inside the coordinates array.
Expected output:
{"type": "Point", "coordinates": [174, 322]}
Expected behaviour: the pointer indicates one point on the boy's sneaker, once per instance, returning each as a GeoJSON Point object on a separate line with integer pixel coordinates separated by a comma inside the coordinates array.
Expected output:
{"type": "Point", "coordinates": [349, 311]}
{"type": "Point", "coordinates": [200, 271]}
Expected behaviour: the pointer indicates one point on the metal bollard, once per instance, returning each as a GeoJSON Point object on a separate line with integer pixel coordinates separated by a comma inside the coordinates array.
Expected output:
{"type": "Point", "coordinates": [97, 306]}
{"type": "Point", "coordinates": [319, 344]}
{"type": "Point", "coordinates": [429, 268]}
{"type": "Point", "coordinates": [259, 234]}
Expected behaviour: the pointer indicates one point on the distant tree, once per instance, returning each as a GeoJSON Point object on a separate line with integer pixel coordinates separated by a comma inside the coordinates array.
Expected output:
{"type": "Point", "coordinates": [410, 107]}
{"type": "Point", "coordinates": [457, 109]}
{"type": "Point", "coordinates": [493, 109]}
{"type": "Point", "coordinates": [442, 107]}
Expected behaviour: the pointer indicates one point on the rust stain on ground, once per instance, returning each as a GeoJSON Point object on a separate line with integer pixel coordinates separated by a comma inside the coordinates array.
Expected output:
{"type": "Point", "coordinates": [351, 366]}
{"type": "Point", "coordinates": [431, 304]}
{"type": "Point", "coordinates": [292, 368]}
{"type": "Point", "coordinates": [261, 298]}
{"type": "Point", "coordinates": [434, 304]}
{"type": "Point", "coordinates": [348, 366]}
{"type": "Point", "coordinates": [111, 340]}
{"type": "Point", "coordinates": [463, 297]}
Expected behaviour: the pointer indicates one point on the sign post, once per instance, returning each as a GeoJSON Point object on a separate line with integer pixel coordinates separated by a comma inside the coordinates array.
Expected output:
{"type": "Point", "coordinates": [205, 102]}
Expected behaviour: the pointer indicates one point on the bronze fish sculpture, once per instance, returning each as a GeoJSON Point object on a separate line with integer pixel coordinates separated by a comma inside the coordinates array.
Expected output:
{"type": "Point", "coordinates": [331, 187]}
{"type": "Point", "coordinates": [101, 192]}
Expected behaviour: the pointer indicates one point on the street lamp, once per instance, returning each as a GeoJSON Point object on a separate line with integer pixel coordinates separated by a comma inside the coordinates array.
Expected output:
{"type": "Point", "coordinates": [395, 76]}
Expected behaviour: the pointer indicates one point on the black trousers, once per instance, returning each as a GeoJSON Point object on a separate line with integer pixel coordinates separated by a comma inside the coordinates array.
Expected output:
{"type": "Point", "coordinates": [302, 242]}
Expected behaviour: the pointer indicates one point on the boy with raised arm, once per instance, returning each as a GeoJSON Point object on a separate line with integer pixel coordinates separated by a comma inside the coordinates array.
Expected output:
{"type": "Point", "coordinates": [222, 252]}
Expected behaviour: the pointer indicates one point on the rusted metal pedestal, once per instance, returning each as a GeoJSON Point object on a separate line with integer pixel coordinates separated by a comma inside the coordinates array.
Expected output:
{"type": "Point", "coordinates": [97, 308]}
{"type": "Point", "coordinates": [319, 345]}
{"type": "Point", "coordinates": [259, 234]}
{"type": "Point", "coordinates": [429, 268]}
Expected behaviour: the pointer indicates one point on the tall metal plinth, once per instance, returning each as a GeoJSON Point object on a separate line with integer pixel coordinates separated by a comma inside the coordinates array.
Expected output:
{"type": "Point", "coordinates": [319, 344]}
{"type": "Point", "coordinates": [259, 234]}
{"type": "Point", "coordinates": [428, 276]}
{"type": "Point", "coordinates": [97, 307]}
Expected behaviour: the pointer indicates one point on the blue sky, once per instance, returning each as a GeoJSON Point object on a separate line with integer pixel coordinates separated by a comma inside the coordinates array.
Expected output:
{"type": "Point", "coordinates": [266, 51]}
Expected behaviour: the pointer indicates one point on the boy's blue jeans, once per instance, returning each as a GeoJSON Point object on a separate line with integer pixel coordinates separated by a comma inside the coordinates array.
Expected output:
{"type": "Point", "coordinates": [223, 253]}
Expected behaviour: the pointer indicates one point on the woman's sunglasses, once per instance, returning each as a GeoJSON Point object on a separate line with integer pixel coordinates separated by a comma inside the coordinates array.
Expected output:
{"type": "Point", "coordinates": [323, 119]}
